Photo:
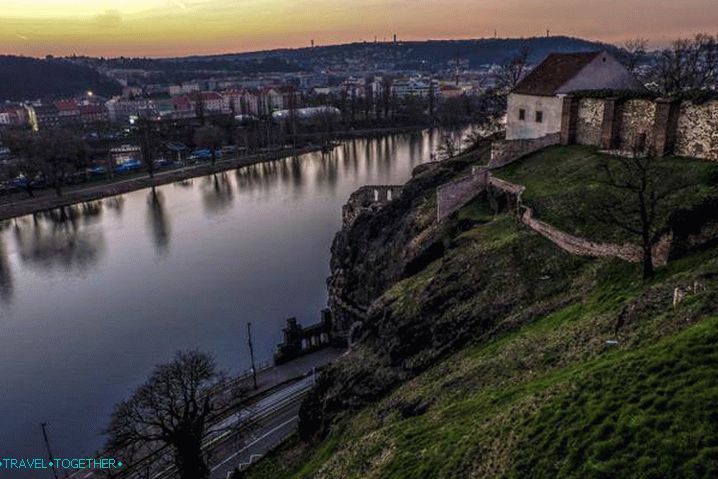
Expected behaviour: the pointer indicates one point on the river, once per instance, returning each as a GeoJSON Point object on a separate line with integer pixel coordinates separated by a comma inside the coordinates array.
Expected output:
{"type": "Point", "coordinates": [93, 296]}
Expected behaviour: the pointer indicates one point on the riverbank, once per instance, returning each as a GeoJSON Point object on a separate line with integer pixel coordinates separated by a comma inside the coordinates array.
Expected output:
{"type": "Point", "coordinates": [46, 199]}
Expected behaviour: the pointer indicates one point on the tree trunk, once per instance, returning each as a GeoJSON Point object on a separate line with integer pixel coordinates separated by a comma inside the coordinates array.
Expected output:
{"type": "Point", "coordinates": [648, 271]}
{"type": "Point", "coordinates": [190, 460]}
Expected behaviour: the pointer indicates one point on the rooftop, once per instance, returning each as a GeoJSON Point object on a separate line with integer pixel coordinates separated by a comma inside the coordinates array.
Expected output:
{"type": "Point", "coordinates": [553, 72]}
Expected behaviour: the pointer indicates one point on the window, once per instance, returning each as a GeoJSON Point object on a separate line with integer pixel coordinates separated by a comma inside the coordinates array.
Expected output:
{"type": "Point", "coordinates": [522, 114]}
{"type": "Point", "coordinates": [539, 117]}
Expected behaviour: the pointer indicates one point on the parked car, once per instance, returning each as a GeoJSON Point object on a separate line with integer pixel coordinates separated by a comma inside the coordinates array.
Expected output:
{"type": "Point", "coordinates": [127, 166]}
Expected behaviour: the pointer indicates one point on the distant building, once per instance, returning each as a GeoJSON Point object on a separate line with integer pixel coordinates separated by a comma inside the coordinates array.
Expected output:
{"type": "Point", "coordinates": [121, 111]}
{"type": "Point", "coordinates": [535, 105]}
{"type": "Point", "coordinates": [47, 116]}
{"type": "Point", "coordinates": [212, 102]}
{"type": "Point", "coordinates": [13, 115]}
{"type": "Point", "coordinates": [418, 87]}
{"type": "Point", "coordinates": [183, 89]}
{"type": "Point", "coordinates": [91, 114]}
{"type": "Point", "coordinates": [124, 153]}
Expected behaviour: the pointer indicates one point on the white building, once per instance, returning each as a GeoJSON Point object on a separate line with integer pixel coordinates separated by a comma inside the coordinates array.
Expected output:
{"type": "Point", "coordinates": [536, 104]}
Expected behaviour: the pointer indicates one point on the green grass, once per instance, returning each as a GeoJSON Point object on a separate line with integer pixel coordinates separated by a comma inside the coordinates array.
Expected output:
{"type": "Point", "coordinates": [560, 182]}
{"type": "Point", "coordinates": [541, 394]}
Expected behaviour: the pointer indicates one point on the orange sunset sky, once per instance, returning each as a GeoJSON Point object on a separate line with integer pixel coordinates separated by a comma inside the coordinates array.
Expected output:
{"type": "Point", "coordinates": [184, 27]}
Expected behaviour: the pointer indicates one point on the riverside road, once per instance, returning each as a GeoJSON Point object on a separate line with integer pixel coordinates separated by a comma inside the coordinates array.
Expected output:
{"type": "Point", "coordinates": [267, 418]}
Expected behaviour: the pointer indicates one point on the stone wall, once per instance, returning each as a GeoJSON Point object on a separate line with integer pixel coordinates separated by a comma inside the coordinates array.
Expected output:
{"type": "Point", "coordinates": [697, 132]}
{"type": "Point", "coordinates": [668, 127]}
{"type": "Point", "coordinates": [455, 194]}
{"type": "Point", "coordinates": [508, 151]}
{"type": "Point", "coordinates": [584, 247]}
{"type": "Point", "coordinates": [638, 118]}
{"type": "Point", "coordinates": [368, 198]}
{"type": "Point", "coordinates": [588, 124]}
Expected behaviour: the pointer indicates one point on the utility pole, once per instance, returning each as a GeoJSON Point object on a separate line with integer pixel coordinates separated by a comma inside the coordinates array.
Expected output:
{"type": "Point", "coordinates": [251, 353]}
{"type": "Point", "coordinates": [49, 451]}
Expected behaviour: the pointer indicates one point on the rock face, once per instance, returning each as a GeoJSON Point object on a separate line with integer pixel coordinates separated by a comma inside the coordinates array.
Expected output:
{"type": "Point", "coordinates": [380, 239]}
{"type": "Point", "coordinates": [406, 290]}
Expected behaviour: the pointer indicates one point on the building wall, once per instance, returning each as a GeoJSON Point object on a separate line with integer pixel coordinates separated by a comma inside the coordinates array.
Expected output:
{"type": "Point", "coordinates": [697, 133]}
{"type": "Point", "coordinates": [590, 118]}
{"type": "Point", "coordinates": [638, 117]}
{"type": "Point", "coordinates": [529, 128]}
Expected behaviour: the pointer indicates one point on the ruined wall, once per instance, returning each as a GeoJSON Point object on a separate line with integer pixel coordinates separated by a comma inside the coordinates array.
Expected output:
{"type": "Point", "coordinates": [590, 118]}
{"type": "Point", "coordinates": [637, 123]}
{"type": "Point", "coordinates": [697, 133]}
{"type": "Point", "coordinates": [455, 194]}
{"type": "Point", "coordinates": [368, 198]}
{"type": "Point", "coordinates": [508, 151]}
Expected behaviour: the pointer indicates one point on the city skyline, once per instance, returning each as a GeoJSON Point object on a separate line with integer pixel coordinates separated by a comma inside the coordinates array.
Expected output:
{"type": "Point", "coordinates": [157, 28]}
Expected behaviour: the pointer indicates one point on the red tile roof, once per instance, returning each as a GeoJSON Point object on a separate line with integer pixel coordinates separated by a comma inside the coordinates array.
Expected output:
{"type": "Point", "coordinates": [553, 72]}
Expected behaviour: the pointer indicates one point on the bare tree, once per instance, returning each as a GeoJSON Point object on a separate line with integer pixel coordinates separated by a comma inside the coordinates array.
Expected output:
{"type": "Point", "coordinates": [174, 408]}
{"type": "Point", "coordinates": [448, 146]}
{"type": "Point", "coordinates": [209, 137]}
{"type": "Point", "coordinates": [24, 165]}
{"type": "Point", "coordinates": [146, 134]}
{"type": "Point", "coordinates": [636, 199]}
{"type": "Point", "coordinates": [634, 53]}
{"type": "Point", "coordinates": [689, 64]}
{"type": "Point", "coordinates": [513, 71]}
{"type": "Point", "coordinates": [60, 152]}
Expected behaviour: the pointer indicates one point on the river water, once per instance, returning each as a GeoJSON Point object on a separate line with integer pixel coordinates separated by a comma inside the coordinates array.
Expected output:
{"type": "Point", "coordinates": [91, 297]}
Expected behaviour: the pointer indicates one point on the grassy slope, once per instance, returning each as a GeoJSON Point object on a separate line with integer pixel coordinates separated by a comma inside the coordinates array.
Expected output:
{"type": "Point", "coordinates": [559, 182]}
{"type": "Point", "coordinates": [550, 397]}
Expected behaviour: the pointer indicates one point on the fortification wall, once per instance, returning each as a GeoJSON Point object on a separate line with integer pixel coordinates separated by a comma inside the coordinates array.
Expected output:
{"type": "Point", "coordinates": [697, 132]}
{"type": "Point", "coordinates": [637, 120]}
{"type": "Point", "coordinates": [455, 194]}
{"type": "Point", "coordinates": [667, 127]}
{"type": "Point", "coordinates": [590, 118]}
{"type": "Point", "coordinates": [368, 198]}
{"type": "Point", "coordinates": [584, 247]}
{"type": "Point", "coordinates": [507, 151]}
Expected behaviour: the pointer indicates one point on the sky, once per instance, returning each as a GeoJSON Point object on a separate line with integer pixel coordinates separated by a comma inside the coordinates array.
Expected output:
{"type": "Point", "coordinates": [158, 28]}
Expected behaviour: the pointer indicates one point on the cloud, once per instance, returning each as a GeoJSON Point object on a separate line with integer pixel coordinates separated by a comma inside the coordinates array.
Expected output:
{"type": "Point", "coordinates": [108, 19]}
{"type": "Point", "coordinates": [180, 4]}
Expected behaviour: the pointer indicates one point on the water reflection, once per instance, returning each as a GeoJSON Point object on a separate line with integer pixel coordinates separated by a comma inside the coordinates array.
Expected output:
{"type": "Point", "coordinates": [116, 204]}
{"type": "Point", "coordinates": [217, 193]}
{"type": "Point", "coordinates": [67, 330]}
{"type": "Point", "coordinates": [159, 222]}
{"type": "Point", "coordinates": [6, 288]}
{"type": "Point", "coordinates": [61, 238]}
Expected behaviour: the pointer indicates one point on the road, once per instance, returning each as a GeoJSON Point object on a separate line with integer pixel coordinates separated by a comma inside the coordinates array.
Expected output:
{"type": "Point", "coordinates": [245, 435]}
{"type": "Point", "coordinates": [272, 420]}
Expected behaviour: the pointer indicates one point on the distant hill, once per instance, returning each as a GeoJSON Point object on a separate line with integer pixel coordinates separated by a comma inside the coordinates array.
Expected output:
{"type": "Point", "coordinates": [419, 55]}
{"type": "Point", "coordinates": [478, 51]}
{"type": "Point", "coordinates": [24, 78]}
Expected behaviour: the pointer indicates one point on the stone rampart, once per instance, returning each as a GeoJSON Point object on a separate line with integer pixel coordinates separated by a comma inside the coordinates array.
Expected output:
{"type": "Point", "coordinates": [368, 198]}
{"type": "Point", "coordinates": [504, 152]}
{"type": "Point", "coordinates": [665, 126]}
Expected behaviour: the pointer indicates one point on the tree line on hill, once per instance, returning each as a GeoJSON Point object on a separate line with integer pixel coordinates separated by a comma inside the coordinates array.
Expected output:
{"type": "Point", "coordinates": [24, 78]}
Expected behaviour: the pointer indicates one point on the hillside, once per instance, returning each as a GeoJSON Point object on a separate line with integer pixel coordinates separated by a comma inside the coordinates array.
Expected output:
{"type": "Point", "coordinates": [413, 54]}
{"type": "Point", "coordinates": [23, 78]}
{"type": "Point", "coordinates": [499, 355]}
